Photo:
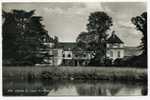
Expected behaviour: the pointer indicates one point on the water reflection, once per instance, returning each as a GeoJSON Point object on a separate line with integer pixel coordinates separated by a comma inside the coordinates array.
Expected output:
{"type": "Point", "coordinates": [71, 88]}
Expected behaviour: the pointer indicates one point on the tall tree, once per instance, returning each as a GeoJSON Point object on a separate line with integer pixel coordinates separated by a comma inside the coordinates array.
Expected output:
{"type": "Point", "coordinates": [95, 39]}
{"type": "Point", "coordinates": [23, 37]}
{"type": "Point", "coordinates": [141, 24]}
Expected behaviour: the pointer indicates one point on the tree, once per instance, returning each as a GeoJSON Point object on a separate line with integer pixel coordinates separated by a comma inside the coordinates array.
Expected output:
{"type": "Point", "coordinates": [23, 37]}
{"type": "Point", "coordinates": [141, 25]}
{"type": "Point", "coordinates": [9, 35]}
{"type": "Point", "coordinates": [95, 39]}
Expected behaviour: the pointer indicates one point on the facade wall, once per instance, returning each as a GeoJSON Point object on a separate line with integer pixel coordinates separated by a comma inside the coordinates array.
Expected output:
{"type": "Point", "coordinates": [58, 56]}
{"type": "Point", "coordinates": [67, 54]}
{"type": "Point", "coordinates": [115, 53]}
{"type": "Point", "coordinates": [55, 57]}
{"type": "Point", "coordinates": [75, 59]}
{"type": "Point", "coordinates": [67, 58]}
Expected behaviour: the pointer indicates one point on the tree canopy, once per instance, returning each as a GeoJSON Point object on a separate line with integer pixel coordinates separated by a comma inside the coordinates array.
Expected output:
{"type": "Point", "coordinates": [95, 38]}
{"type": "Point", "coordinates": [23, 37]}
{"type": "Point", "coordinates": [141, 25]}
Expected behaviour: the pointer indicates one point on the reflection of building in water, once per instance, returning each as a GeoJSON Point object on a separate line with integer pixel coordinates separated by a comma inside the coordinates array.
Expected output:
{"type": "Point", "coordinates": [109, 89]}
{"type": "Point", "coordinates": [64, 91]}
{"type": "Point", "coordinates": [97, 90]}
{"type": "Point", "coordinates": [130, 92]}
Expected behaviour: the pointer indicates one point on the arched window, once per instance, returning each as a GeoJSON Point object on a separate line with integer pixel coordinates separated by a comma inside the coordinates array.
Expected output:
{"type": "Point", "coordinates": [111, 54]}
{"type": "Point", "coordinates": [118, 54]}
{"type": "Point", "coordinates": [84, 55]}
{"type": "Point", "coordinates": [69, 55]}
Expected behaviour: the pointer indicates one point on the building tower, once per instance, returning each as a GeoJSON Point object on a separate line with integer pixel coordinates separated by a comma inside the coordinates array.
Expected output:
{"type": "Point", "coordinates": [115, 47]}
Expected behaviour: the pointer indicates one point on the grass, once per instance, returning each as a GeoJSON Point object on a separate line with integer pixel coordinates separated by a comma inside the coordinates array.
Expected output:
{"type": "Point", "coordinates": [75, 73]}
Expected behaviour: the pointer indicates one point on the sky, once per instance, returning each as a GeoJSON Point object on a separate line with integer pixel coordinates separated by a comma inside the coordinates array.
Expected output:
{"type": "Point", "coordinates": [68, 20]}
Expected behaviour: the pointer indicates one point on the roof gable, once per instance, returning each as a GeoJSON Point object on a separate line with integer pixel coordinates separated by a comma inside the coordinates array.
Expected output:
{"type": "Point", "coordinates": [114, 39]}
{"type": "Point", "coordinates": [67, 45]}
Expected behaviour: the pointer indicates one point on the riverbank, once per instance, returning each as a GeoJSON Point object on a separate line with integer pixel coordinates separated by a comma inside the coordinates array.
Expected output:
{"type": "Point", "coordinates": [75, 73]}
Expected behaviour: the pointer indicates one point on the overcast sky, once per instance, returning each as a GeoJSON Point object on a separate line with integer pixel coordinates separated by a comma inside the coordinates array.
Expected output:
{"type": "Point", "coordinates": [67, 20]}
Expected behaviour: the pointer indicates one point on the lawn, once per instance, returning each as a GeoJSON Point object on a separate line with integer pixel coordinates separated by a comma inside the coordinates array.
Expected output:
{"type": "Point", "coordinates": [72, 73]}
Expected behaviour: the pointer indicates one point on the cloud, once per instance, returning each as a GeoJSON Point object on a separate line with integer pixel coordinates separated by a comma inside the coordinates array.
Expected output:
{"type": "Point", "coordinates": [125, 24]}
{"type": "Point", "coordinates": [67, 20]}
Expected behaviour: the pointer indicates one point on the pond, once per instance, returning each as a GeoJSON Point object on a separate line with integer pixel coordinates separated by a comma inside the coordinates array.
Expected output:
{"type": "Point", "coordinates": [72, 88]}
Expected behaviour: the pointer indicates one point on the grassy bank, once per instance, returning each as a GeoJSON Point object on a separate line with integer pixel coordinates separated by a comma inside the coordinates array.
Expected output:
{"type": "Point", "coordinates": [75, 73]}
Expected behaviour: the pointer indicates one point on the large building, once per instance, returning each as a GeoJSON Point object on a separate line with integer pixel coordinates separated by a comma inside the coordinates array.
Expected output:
{"type": "Point", "coordinates": [73, 56]}
{"type": "Point", "coordinates": [67, 53]}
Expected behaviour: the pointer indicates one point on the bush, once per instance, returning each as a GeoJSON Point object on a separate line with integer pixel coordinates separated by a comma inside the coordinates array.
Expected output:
{"type": "Point", "coordinates": [138, 61]}
{"type": "Point", "coordinates": [119, 62]}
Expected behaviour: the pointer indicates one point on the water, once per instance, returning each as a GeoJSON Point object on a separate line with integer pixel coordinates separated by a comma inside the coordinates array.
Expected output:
{"type": "Point", "coordinates": [72, 88]}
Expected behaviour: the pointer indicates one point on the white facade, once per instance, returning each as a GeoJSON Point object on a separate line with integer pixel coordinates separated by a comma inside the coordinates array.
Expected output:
{"type": "Point", "coordinates": [57, 56]}
{"type": "Point", "coordinates": [115, 51]}
{"type": "Point", "coordinates": [67, 54]}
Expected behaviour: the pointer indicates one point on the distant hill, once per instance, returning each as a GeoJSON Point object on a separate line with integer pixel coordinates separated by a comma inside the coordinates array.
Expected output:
{"type": "Point", "coordinates": [131, 51]}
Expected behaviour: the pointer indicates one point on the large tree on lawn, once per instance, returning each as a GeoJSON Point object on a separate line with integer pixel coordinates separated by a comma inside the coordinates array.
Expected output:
{"type": "Point", "coordinates": [95, 38]}
{"type": "Point", "coordinates": [141, 25]}
{"type": "Point", "coordinates": [22, 37]}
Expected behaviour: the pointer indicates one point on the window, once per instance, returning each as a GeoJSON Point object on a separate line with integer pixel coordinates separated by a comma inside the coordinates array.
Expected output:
{"type": "Point", "coordinates": [63, 55]}
{"type": "Point", "coordinates": [69, 55]}
{"type": "Point", "coordinates": [111, 54]}
{"type": "Point", "coordinates": [107, 45]}
{"type": "Point", "coordinates": [118, 54]}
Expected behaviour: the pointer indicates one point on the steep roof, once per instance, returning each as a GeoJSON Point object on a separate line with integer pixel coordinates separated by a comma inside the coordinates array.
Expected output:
{"type": "Point", "coordinates": [67, 45]}
{"type": "Point", "coordinates": [114, 39]}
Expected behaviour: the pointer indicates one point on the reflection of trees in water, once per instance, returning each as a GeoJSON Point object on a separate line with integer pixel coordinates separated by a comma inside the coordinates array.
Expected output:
{"type": "Point", "coordinates": [110, 88]}
{"type": "Point", "coordinates": [26, 88]}
{"type": "Point", "coordinates": [55, 85]}
{"type": "Point", "coordinates": [144, 90]}
{"type": "Point", "coordinates": [97, 89]}
{"type": "Point", "coordinates": [84, 88]}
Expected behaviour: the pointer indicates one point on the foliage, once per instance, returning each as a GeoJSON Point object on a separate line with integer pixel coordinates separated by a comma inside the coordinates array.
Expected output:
{"type": "Point", "coordinates": [119, 62]}
{"type": "Point", "coordinates": [141, 24]}
{"type": "Point", "coordinates": [95, 39]}
{"type": "Point", "coordinates": [76, 73]}
{"type": "Point", "coordinates": [23, 37]}
{"type": "Point", "coordinates": [138, 61]}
